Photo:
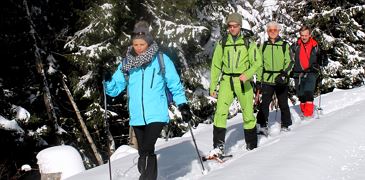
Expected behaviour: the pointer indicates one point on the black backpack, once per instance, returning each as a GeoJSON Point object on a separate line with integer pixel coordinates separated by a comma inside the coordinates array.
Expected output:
{"type": "Point", "coordinates": [246, 35]}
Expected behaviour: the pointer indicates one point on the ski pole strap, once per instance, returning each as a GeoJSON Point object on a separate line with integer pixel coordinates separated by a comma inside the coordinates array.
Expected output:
{"type": "Point", "coordinates": [242, 87]}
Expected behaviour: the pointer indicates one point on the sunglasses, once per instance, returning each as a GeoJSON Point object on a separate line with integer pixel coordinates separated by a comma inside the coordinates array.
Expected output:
{"type": "Point", "coordinates": [233, 26]}
{"type": "Point", "coordinates": [272, 30]}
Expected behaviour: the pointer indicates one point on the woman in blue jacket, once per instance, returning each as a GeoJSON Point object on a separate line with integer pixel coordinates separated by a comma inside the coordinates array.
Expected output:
{"type": "Point", "coordinates": [147, 100]}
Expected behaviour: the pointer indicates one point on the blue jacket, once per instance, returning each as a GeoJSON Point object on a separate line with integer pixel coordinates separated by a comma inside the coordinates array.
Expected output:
{"type": "Point", "coordinates": [147, 101]}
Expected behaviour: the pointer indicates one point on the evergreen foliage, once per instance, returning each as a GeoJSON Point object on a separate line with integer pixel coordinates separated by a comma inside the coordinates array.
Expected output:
{"type": "Point", "coordinates": [83, 39]}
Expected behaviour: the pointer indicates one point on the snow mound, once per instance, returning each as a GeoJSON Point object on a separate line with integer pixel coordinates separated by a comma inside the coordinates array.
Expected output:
{"type": "Point", "coordinates": [64, 159]}
{"type": "Point", "coordinates": [122, 151]}
{"type": "Point", "coordinates": [10, 125]}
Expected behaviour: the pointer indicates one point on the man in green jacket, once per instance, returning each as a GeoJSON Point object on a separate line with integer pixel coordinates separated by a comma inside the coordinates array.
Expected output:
{"type": "Point", "coordinates": [235, 61]}
{"type": "Point", "coordinates": [273, 77]}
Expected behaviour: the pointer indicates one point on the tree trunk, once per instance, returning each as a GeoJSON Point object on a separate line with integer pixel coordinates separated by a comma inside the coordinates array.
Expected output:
{"type": "Point", "coordinates": [82, 123]}
{"type": "Point", "coordinates": [52, 118]}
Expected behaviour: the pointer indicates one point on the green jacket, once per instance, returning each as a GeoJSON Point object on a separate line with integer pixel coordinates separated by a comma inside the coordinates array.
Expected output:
{"type": "Point", "coordinates": [274, 61]}
{"type": "Point", "coordinates": [234, 60]}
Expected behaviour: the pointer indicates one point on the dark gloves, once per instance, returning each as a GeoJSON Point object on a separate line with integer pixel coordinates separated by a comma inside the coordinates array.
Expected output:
{"type": "Point", "coordinates": [282, 78]}
{"type": "Point", "coordinates": [185, 112]}
{"type": "Point", "coordinates": [107, 76]}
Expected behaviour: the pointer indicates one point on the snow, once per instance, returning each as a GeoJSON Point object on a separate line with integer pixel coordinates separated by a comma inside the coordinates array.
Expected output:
{"type": "Point", "coordinates": [11, 125]}
{"type": "Point", "coordinates": [269, 7]}
{"type": "Point", "coordinates": [65, 159]}
{"type": "Point", "coordinates": [247, 15]}
{"type": "Point", "coordinates": [83, 80]}
{"type": "Point", "coordinates": [51, 64]}
{"type": "Point", "coordinates": [328, 38]}
{"type": "Point", "coordinates": [21, 113]}
{"type": "Point", "coordinates": [26, 167]}
{"type": "Point", "coordinates": [122, 151]}
{"type": "Point", "coordinates": [360, 34]}
{"type": "Point", "coordinates": [329, 146]}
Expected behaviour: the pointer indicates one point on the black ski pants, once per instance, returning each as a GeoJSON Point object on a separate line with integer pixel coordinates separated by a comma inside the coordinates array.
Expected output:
{"type": "Point", "coordinates": [282, 96]}
{"type": "Point", "coordinates": [146, 138]}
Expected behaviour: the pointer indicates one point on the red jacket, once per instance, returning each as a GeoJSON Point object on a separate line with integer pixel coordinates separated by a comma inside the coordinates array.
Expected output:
{"type": "Point", "coordinates": [305, 55]}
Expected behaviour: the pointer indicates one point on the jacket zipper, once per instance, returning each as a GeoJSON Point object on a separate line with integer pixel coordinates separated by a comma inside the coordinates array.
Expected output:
{"type": "Point", "coordinates": [153, 77]}
{"type": "Point", "coordinates": [143, 115]}
{"type": "Point", "coordinates": [238, 58]}
{"type": "Point", "coordinates": [229, 59]}
{"type": "Point", "coordinates": [254, 55]}
{"type": "Point", "coordinates": [272, 60]}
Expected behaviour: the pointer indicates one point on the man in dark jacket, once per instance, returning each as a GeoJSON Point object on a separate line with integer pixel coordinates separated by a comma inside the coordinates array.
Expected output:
{"type": "Point", "coordinates": [306, 70]}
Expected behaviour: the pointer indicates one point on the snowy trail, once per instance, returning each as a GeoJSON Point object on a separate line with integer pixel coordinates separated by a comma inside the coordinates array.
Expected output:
{"type": "Point", "coordinates": [332, 147]}
{"type": "Point", "coordinates": [320, 140]}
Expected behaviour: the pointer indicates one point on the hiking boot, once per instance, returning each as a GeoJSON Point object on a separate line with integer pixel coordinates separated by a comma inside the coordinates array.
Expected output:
{"type": "Point", "coordinates": [285, 129]}
{"type": "Point", "coordinates": [216, 152]}
{"type": "Point", "coordinates": [264, 131]}
{"type": "Point", "coordinates": [250, 146]}
{"type": "Point", "coordinates": [251, 138]}
{"type": "Point", "coordinates": [306, 118]}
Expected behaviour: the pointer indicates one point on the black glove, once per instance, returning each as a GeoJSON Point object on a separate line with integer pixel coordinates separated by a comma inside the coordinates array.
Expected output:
{"type": "Point", "coordinates": [282, 78]}
{"type": "Point", "coordinates": [107, 76]}
{"type": "Point", "coordinates": [185, 112]}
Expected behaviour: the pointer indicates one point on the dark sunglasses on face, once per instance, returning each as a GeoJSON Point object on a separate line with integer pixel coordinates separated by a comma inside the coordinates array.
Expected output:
{"type": "Point", "coordinates": [233, 26]}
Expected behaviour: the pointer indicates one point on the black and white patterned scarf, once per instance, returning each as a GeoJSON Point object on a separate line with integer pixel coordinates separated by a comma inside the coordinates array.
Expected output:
{"type": "Point", "coordinates": [134, 61]}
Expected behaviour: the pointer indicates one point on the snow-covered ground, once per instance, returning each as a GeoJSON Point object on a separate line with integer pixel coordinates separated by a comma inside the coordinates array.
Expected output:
{"type": "Point", "coordinates": [331, 146]}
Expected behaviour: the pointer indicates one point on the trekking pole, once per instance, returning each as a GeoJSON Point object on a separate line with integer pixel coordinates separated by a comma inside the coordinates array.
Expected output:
{"type": "Point", "coordinates": [167, 132]}
{"type": "Point", "coordinates": [275, 100]}
{"type": "Point", "coordinates": [319, 108]}
{"type": "Point", "coordinates": [197, 151]}
{"type": "Point", "coordinates": [319, 101]}
{"type": "Point", "coordinates": [107, 128]}
{"type": "Point", "coordinates": [319, 89]}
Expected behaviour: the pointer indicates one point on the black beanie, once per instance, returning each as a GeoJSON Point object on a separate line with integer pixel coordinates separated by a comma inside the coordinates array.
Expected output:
{"type": "Point", "coordinates": [141, 31]}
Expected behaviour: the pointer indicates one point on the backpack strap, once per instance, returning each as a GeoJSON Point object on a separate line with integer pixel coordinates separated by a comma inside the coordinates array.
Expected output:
{"type": "Point", "coordinates": [125, 73]}
{"type": "Point", "coordinates": [245, 39]}
{"type": "Point", "coordinates": [247, 42]}
{"type": "Point", "coordinates": [162, 72]}
{"type": "Point", "coordinates": [283, 46]}
{"type": "Point", "coordinates": [161, 62]}
{"type": "Point", "coordinates": [224, 42]}
{"type": "Point", "coordinates": [264, 47]}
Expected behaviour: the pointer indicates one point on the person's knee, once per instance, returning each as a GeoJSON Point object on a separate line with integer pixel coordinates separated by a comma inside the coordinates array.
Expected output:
{"type": "Point", "coordinates": [308, 95]}
{"type": "Point", "coordinates": [147, 151]}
